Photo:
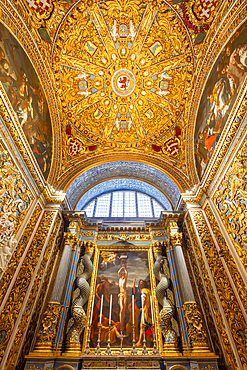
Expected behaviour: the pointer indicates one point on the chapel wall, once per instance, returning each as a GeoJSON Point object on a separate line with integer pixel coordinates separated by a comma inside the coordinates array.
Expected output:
{"type": "Point", "coordinates": [29, 249]}
{"type": "Point", "coordinates": [220, 283]}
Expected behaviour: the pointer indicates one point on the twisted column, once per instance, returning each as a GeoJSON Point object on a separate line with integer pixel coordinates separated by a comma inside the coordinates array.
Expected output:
{"type": "Point", "coordinates": [165, 298]}
{"type": "Point", "coordinates": [80, 296]}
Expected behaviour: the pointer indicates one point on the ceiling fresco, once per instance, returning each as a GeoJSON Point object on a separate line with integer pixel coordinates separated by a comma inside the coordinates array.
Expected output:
{"type": "Point", "coordinates": [123, 169]}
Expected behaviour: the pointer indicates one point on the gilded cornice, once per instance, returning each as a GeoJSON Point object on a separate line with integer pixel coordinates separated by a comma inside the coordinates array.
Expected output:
{"type": "Point", "coordinates": [219, 34]}
{"type": "Point", "coordinates": [17, 21]}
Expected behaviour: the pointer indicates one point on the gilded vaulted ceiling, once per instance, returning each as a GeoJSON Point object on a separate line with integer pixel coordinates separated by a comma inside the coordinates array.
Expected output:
{"type": "Point", "coordinates": [119, 77]}
{"type": "Point", "coordinates": [122, 74]}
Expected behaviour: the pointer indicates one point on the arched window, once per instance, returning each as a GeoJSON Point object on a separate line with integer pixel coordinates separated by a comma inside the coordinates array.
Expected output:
{"type": "Point", "coordinates": [124, 204]}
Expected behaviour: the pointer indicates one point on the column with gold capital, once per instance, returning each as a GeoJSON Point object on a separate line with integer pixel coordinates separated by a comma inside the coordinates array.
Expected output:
{"type": "Point", "coordinates": [49, 334]}
{"type": "Point", "coordinates": [165, 298]}
{"type": "Point", "coordinates": [197, 336]}
{"type": "Point", "coordinates": [78, 319]}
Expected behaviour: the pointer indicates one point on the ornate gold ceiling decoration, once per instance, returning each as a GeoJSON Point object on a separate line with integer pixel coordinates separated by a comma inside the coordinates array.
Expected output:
{"type": "Point", "coordinates": [123, 70]}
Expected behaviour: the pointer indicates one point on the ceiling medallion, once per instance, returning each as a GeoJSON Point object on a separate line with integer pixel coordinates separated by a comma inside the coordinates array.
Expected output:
{"type": "Point", "coordinates": [123, 79]}
{"type": "Point", "coordinates": [123, 82]}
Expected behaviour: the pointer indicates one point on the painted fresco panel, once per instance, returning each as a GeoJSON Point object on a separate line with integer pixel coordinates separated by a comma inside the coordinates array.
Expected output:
{"type": "Point", "coordinates": [220, 93]}
{"type": "Point", "coordinates": [26, 95]}
{"type": "Point", "coordinates": [122, 274]}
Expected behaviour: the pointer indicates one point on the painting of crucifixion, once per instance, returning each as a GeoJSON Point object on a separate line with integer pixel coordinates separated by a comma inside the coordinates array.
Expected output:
{"type": "Point", "coordinates": [123, 278]}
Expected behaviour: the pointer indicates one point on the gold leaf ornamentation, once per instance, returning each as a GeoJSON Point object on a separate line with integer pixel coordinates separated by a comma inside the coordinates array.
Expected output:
{"type": "Point", "coordinates": [175, 239]}
{"type": "Point", "coordinates": [196, 333]}
{"type": "Point", "coordinates": [71, 239]}
{"type": "Point", "coordinates": [14, 302]}
{"type": "Point", "coordinates": [225, 292]}
{"type": "Point", "coordinates": [230, 202]}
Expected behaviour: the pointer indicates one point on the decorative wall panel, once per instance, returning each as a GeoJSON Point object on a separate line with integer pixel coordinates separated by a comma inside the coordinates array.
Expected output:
{"type": "Point", "coordinates": [28, 340]}
{"type": "Point", "coordinates": [13, 305]}
{"type": "Point", "coordinates": [232, 311]}
{"type": "Point", "coordinates": [15, 200]}
{"type": "Point", "coordinates": [43, 270]}
{"type": "Point", "coordinates": [18, 252]}
{"type": "Point", "coordinates": [214, 304]}
{"type": "Point", "coordinates": [238, 281]}
{"type": "Point", "coordinates": [199, 289]}
{"type": "Point", "coordinates": [230, 200]}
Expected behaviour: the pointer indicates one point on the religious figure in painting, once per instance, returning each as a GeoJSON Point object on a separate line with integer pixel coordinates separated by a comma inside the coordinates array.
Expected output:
{"type": "Point", "coordinates": [116, 272]}
{"type": "Point", "coordinates": [142, 298]}
{"type": "Point", "coordinates": [122, 297]}
{"type": "Point", "coordinates": [223, 85]}
{"type": "Point", "coordinates": [102, 289]}
{"type": "Point", "coordinates": [26, 96]}
{"type": "Point", "coordinates": [114, 333]}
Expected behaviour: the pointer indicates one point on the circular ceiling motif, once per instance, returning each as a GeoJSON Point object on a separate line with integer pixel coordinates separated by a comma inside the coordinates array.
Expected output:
{"type": "Point", "coordinates": [123, 71]}
{"type": "Point", "coordinates": [123, 82]}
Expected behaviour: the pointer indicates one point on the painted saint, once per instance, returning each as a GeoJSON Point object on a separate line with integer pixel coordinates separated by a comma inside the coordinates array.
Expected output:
{"type": "Point", "coordinates": [220, 93]}
{"type": "Point", "coordinates": [27, 98]}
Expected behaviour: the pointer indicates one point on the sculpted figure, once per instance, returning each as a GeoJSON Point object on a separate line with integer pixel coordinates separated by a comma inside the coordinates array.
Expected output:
{"type": "Point", "coordinates": [80, 297]}
{"type": "Point", "coordinates": [7, 243]}
{"type": "Point", "coordinates": [168, 324]}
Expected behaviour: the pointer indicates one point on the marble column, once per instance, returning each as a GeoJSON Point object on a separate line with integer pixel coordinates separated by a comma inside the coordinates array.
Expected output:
{"type": "Point", "coordinates": [197, 337]}
{"type": "Point", "coordinates": [49, 334]}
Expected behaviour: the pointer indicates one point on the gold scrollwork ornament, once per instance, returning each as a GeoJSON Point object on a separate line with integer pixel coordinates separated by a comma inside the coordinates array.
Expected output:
{"type": "Point", "coordinates": [194, 324]}
{"type": "Point", "coordinates": [48, 328]}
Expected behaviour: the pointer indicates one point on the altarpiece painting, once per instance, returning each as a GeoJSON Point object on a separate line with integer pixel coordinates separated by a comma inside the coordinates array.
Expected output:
{"type": "Point", "coordinates": [124, 275]}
